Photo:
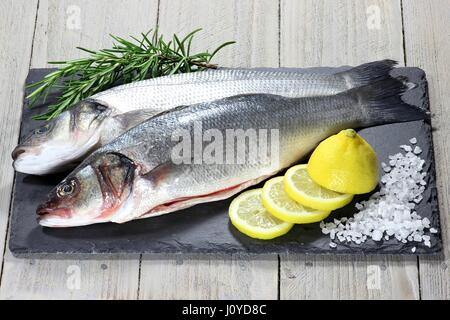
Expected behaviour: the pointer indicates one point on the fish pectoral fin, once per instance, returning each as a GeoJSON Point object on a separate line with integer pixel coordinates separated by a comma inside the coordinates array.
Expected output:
{"type": "Point", "coordinates": [159, 173]}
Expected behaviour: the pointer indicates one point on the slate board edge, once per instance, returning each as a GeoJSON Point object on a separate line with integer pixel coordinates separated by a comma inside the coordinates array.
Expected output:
{"type": "Point", "coordinates": [26, 252]}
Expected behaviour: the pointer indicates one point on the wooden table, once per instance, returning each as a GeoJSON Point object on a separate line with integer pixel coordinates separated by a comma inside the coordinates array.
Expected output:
{"type": "Point", "coordinates": [269, 33]}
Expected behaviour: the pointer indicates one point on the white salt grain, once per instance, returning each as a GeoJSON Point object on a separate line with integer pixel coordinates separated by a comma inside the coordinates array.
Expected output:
{"type": "Point", "coordinates": [418, 199]}
{"type": "Point", "coordinates": [377, 235]}
{"type": "Point", "coordinates": [333, 245]}
{"type": "Point", "coordinates": [413, 249]}
{"type": "Point", "coordinates": [406, 148]}
{"type": "Point", "coordinates": [390, 211]}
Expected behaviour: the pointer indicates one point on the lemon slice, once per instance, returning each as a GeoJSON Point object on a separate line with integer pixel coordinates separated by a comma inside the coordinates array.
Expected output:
{"type": "Point", "coordinates": [300, 187]}
{"type": "Point", "coordinates": [250, 217]}
{"type": "Point", "coordinates": [280, 205]}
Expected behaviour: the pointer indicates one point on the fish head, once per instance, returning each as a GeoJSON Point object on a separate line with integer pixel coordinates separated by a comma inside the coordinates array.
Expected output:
{"type": "Point", "coordinates": [90, 194]}
{"type": "Point", "coordinates": [62, 140]}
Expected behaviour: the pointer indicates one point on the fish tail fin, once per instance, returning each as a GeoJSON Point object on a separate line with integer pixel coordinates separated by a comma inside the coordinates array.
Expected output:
{"type": "Point", "coordinates": [382, 102]}
{"type": "Point", "coordinates": [367, 73]}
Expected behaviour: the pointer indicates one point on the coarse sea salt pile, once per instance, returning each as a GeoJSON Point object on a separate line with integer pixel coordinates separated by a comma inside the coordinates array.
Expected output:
{"type": "Point", "coordinates": [389, 212]}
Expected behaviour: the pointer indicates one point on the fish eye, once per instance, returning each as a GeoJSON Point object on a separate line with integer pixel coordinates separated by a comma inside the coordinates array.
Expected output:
{"type": "Point", "coordinates": [94, 105]}
{"type": "Point", "coordinates": [42, 129]}
{"type": "Point", "coordinates": [100, 107]}
{"type": "Point", "coordinates": [66, 189]}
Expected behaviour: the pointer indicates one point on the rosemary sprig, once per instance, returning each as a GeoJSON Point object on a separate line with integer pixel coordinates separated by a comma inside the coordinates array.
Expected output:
{"type": "Point", "coordinates": [125, 62]}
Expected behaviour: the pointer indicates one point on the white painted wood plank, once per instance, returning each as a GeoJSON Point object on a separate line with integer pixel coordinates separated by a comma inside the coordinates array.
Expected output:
{"type": "Point", "coordinates": [348, 277]}
{"type": "Point", "coordinates": [333, 33]}
{"type": "Point", "coordinates": [61, 26]}
{"type": "Point", "coordinates": [64, 25]}
{"type": "Point", "coordinates": [16, 37]}
{"type": "Point", "coordinates": [55, 279]}
{"type": "Point", "coordinates": [206, 277]}
{"type": "Point", "coordinates": [427, 42]}
{"type": "Point", "coordinates": [322, 33]}
{"type": "Point", "coordinates": [254, 25]}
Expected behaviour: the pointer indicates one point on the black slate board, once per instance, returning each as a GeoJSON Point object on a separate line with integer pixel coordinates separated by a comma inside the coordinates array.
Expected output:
{"type": "Point", "coordinates": [206, 228]}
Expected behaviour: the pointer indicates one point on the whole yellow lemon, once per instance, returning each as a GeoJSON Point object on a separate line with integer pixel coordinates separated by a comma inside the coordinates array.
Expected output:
{"type": "Point", "coordinates": [344, 163]}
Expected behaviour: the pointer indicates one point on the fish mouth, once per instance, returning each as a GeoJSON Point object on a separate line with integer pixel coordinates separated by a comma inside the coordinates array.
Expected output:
{"type": "Point", "coordinates": [29, 160]}
{"type": "Point", "coordinates": [43, 211]}
{"type": "Point", "coordinates": [53, 157]}
{"type": "Point", "coordinates": [49, 159]}
{"type": "Point", "coordinates": [48, 217]}
{"type": "Point", "coordinates": [51, 220]}
{"type": "Point", "coordinates": [17, 152]}
{"type": "Point", "coordinates": [29, 167]}
{"type": "Point", "coordinates": [63, 218]}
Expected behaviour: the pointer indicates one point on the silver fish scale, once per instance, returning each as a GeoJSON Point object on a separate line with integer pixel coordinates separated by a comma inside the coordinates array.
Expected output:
{"type": "Point", "coordinates": [220, 75]}
{"type": "Point", "coordinates": [185, 89]}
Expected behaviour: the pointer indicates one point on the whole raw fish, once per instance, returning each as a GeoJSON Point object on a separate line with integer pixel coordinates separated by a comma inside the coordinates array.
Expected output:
{"type": "Point", "coordinates": [144, 172]}
{"type": "Point", "coordinates": [94, 122]}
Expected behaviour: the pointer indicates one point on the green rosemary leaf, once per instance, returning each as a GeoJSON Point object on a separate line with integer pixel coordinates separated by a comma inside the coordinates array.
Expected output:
{"type": "Point", "coordinates": [219, 48]}
{"type": "Point", "coordinates": [86, 50]}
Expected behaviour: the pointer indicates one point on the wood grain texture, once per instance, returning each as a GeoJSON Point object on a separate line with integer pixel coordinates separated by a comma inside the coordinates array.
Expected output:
{"type": "Point", "coordinates": [206, 277]}
{"type": "Point", "coordinates": [427, 43]}
{"type": "Point", "coordinates": [333, 33]}
{"type": "Point", "coordinates": [55, 279]}
{"type": "Point", "coordinates": [16, 37]}
{"type": "Point", "coordinates": [348, 277]}
{"type": "Point", "coordinates": [62, 26]}
{"type": "Point", "coordinates": [254, 25]}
